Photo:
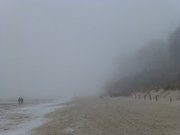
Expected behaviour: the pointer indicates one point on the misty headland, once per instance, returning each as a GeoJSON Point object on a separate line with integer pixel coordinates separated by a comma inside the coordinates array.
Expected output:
{"type": "Point", "coordinates": [155, 67]}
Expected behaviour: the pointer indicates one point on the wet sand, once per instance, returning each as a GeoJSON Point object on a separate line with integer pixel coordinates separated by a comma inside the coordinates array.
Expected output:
{"type": "Point", "coordinates": [21, 119]}
{"type": "Point", "coordinates": [113, 116]}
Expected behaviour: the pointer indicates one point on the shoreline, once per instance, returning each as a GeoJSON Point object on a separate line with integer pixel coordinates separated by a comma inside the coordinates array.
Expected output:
{"type": "Point", "coordinates": [21, 120]}
{"type": "Point", "coordinates": [112, 116]}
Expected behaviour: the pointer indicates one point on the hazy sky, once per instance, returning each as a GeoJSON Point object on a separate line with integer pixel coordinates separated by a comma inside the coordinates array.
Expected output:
{"type": "Point", "coordinates": [67, 47]}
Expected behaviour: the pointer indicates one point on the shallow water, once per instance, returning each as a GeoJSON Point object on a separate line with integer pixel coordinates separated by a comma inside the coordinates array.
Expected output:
{"type": "Point", "coordinates": [19, 120]}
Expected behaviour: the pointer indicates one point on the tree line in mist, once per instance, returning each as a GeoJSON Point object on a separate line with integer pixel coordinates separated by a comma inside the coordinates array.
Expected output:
{"type": "Point", "coordinates": [156, 66]}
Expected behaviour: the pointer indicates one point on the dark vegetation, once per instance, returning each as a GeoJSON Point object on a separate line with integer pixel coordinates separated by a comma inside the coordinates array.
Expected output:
{"type": "Point", "coordinates": [157, 66]}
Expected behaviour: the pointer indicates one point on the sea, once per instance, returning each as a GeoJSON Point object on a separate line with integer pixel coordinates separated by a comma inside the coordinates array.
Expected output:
{"type": "Point", "coordinates": [21, 119]}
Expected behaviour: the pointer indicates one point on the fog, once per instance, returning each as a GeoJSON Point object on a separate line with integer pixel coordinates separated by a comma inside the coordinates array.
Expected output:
{"type": "Point", "coordinates": [53, 48]}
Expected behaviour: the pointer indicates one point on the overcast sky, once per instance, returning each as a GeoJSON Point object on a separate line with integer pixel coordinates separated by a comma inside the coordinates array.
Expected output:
{"type": "Point", "coordinates": [67, 47]}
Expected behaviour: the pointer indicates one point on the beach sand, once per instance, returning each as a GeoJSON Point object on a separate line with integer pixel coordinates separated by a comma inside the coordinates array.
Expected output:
{"type": "Point", "coordinates": [113, 116]}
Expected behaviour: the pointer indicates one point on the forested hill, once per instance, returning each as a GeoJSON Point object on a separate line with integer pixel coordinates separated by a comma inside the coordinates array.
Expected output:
{"type": "Point", "coordinates": [156, 66]}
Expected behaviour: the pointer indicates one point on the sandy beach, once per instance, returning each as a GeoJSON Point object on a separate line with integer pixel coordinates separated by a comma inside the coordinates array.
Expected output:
{"type": "Point", "coordinates": [113, 116]}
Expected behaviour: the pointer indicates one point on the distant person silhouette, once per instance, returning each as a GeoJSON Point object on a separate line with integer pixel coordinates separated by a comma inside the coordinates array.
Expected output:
{"type": "Point", "coordinates": [19, 100]}
{"type": "Point", "coordinates": [170, 99]}
{"type": "Point", "coordinates": [156, 98]}
{"type": "Point", "coordinates": [22, 101]}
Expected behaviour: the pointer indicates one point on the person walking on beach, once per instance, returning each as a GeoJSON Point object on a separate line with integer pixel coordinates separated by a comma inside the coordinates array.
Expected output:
{"type": "Point", "coordinates": [19, 100]}
{"type": "Point", "coordinates": [22, 101]}
{"type": "Point", "coordinates": [156, 98]}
